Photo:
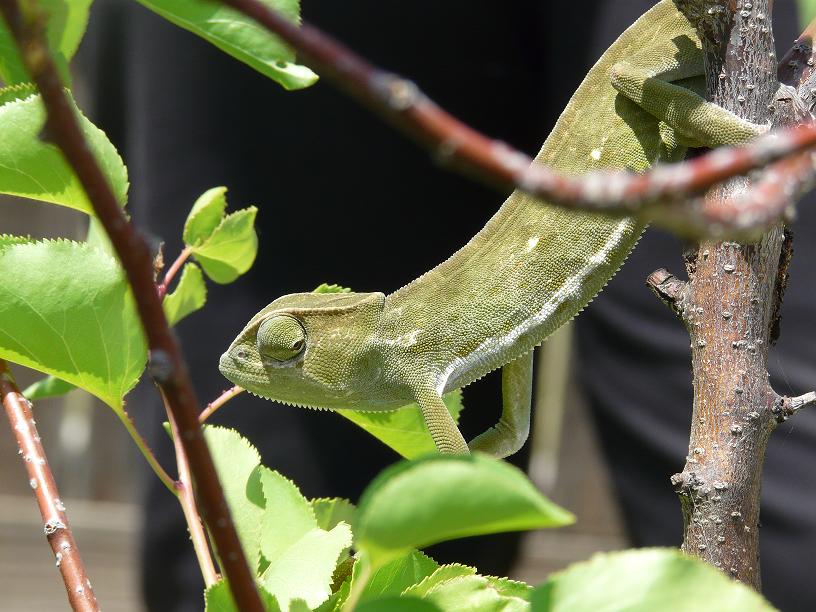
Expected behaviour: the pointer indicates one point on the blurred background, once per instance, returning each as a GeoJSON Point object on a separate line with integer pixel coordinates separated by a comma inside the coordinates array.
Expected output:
{"type": "Point", "coordinates": [186, 118]}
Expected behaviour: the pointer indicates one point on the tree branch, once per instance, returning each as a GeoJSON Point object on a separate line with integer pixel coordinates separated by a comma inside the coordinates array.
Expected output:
{"type": "Point", "coordinates": [166, 364]}
{"type": "Point", "coordinates": [729, 306]}
{"type": "Point", "coordinates": [669, 289]}
{"type": "Point", "coordinates": [184, 490]}
{"type": "Point", "coordinates": [56, 527]}
{"type": "Point", "coordinates": [164, 285]}
{"type": "Point", "coordinates": [613, 192]}
{"type": "Point", "coordinates": [218, 402]}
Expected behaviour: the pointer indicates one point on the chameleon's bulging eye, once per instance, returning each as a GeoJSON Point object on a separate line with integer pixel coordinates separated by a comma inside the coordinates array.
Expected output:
{"type": "Point", "coordinates": [281, 338]}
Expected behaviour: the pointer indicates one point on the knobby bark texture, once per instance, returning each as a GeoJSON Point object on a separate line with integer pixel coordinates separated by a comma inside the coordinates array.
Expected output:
{"type": "Point", "coordinates": [730, 307]}
{"type": "Point", "coordinates": [55, 520]}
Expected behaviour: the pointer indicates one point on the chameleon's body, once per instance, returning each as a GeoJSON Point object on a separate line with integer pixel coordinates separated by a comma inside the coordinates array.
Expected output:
{"type": "Point", "coordinates": [531, 269]}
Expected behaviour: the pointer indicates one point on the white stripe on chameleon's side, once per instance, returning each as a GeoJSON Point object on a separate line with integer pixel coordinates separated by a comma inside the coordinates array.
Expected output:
{"type": "Point", "coordinates": [569, 290]}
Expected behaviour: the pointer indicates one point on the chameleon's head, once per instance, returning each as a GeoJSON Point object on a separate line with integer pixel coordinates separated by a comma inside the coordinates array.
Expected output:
{"type": "Point", "coordinates": [309, 349]}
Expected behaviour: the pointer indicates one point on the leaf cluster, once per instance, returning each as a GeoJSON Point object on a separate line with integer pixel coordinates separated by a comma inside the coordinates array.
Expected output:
{"type": "Point", "coordinates": [329, 555]}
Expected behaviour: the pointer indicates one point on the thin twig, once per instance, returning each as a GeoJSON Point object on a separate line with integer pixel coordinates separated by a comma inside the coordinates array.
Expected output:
{"type": "Point", "coordinates": [166, 364]}
{"type": "Point", "coordinates": [184, 489]}
{"type": "Point", "coordinates": [163, 286]}
{"type": "Point", "coordinates": [56, 527]}
{"type": "Point", "coordinates": [147, 453]}
{"type": "Point", "coordinates": [218, 402]}
{"type": "Point", "coordinates": [611, 192]}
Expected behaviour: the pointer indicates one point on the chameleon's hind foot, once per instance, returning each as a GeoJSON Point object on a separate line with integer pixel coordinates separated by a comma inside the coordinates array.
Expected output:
{"type": "Point", "coordinates": [500, 440]}
{"type": "Point", "coordinates": [507, 436]}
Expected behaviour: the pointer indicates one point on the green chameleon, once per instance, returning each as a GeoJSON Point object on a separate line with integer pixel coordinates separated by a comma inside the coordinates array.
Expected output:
{"type": "Point", "coordinates": [531, 269]}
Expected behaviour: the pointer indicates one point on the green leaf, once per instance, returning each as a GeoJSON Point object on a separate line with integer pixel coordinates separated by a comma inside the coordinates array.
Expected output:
{"type": "Point", "coordinates": [284, 506]}
{"type": "Point", "coordinates": [416, 503]}
{"type": "Point", "coordinates": [240, 36]}
{"type": "Point", "coordinates": [98, 238]}
{"type": "Point", "coordinates": [807, 11]}
{"type": "Point", "coordinates": [231, 248]}
{"type": "Point", "coordinates": [642, 581]}
{"type": "Point", "coordinates": [455, 587]}
{"type": "Point", "coordinates": [398, 604]}
{"type": "Point", "coordinates": [50, 386]}
{"type": "Point", "coordinates": [66, 310]}
{"type": "Point", "coordinates": [396, 576]}
{"type": "Point", "coordinates": [337, 599]}
{"type": "Point", "coordinates": [475, 594]}
{"type": "Point", "coordinates": [298, 560]}
{"type": "Point", "coordinates": [302, 557]}
{"type": "Point", "coordinates": [235, 461]}
{"type": "Point", "coordinates": [189, 296]}
{"type": "Point", "coordinates": [326, 288]}
{"type": "Point", "coordinates": [510, 588]}
{"type": "Point", "coordinates": [305, 569]}
{"type": "Point", "coordinates": [440, 575]}
{"type": "Point", "coordinates": [219, 599]}
{"type": "Point", "coordinates": [66, 25]}
{"type": "Point", "coordinates": [10, 240]}
{"type": "Point", "coordinates": [205, 216]}
{"type": "Point", "coordinates": [33, 169]}
{"type": "Point", "coordinates": [404, 429]}
{"type": "Point", "coordinates": [329, 511]}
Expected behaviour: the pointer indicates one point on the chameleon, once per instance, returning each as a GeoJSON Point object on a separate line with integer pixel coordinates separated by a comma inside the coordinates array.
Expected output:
{"type": "Point", "coordinates": [532, 268]}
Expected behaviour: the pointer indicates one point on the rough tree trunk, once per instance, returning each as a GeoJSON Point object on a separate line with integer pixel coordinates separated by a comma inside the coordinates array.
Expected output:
{"type": "Point", "coordinates": [729, 306]}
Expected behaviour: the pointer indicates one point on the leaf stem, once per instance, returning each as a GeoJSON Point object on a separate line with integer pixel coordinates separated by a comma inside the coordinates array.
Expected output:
{"type": "Point", "coordinates": [147, 453]}
{"type": "Point", "coordinates": [57, 530]}
{"type": "Point", "coordinates": [218, 402]}
{"type": "Point", "coordinates": [163, 286]}
{"type": "Point", "coordinates": [358, 585]}
{"type": "Point", "coordinates": [184, 488]}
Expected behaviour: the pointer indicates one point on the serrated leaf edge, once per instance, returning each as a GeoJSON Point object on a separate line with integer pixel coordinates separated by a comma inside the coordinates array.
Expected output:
{"type": "Point", "coordinates": [426, 579]}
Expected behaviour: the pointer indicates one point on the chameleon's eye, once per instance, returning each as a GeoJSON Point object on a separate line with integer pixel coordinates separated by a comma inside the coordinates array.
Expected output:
{"type": "Point", "coordinates": [281, 338]}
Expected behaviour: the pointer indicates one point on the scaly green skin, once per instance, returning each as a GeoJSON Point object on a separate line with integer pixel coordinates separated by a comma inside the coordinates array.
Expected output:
{"type": "Point", "coordinates": [531, 269]}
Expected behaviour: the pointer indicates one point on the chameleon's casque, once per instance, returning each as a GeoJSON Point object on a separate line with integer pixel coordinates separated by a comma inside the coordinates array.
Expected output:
{"type": "Point", "coordinates": [531, 269]}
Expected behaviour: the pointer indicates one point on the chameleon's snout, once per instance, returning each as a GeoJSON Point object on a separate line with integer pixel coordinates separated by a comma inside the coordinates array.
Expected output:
{"type": "Point", "coordinates": [232, 363]}
{"type": "Point", "coordinates": [226, 365]}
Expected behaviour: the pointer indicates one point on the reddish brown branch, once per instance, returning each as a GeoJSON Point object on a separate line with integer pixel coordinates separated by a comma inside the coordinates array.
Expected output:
{"type": "Point", "coordinates": [218, 402]}
{"type": "Point", "coordinates": [454, 142]}
{"type": "Point", "coordinates": [797, 67]}
{"type": "Point", "coordinates": [55, 520]}
{"type": "Point", "coordinates": [747, 215]}
{"type": "Point", "coordinates": [166, 363]}
{"type": "Point", "coordinates": [162, 287]}
{"type": "Point", "coordinates": [184, 489]}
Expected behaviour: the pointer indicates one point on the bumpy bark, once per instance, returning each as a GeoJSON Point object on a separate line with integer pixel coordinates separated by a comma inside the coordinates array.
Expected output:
{"type": "Point", "coordinates": [730, 307]}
